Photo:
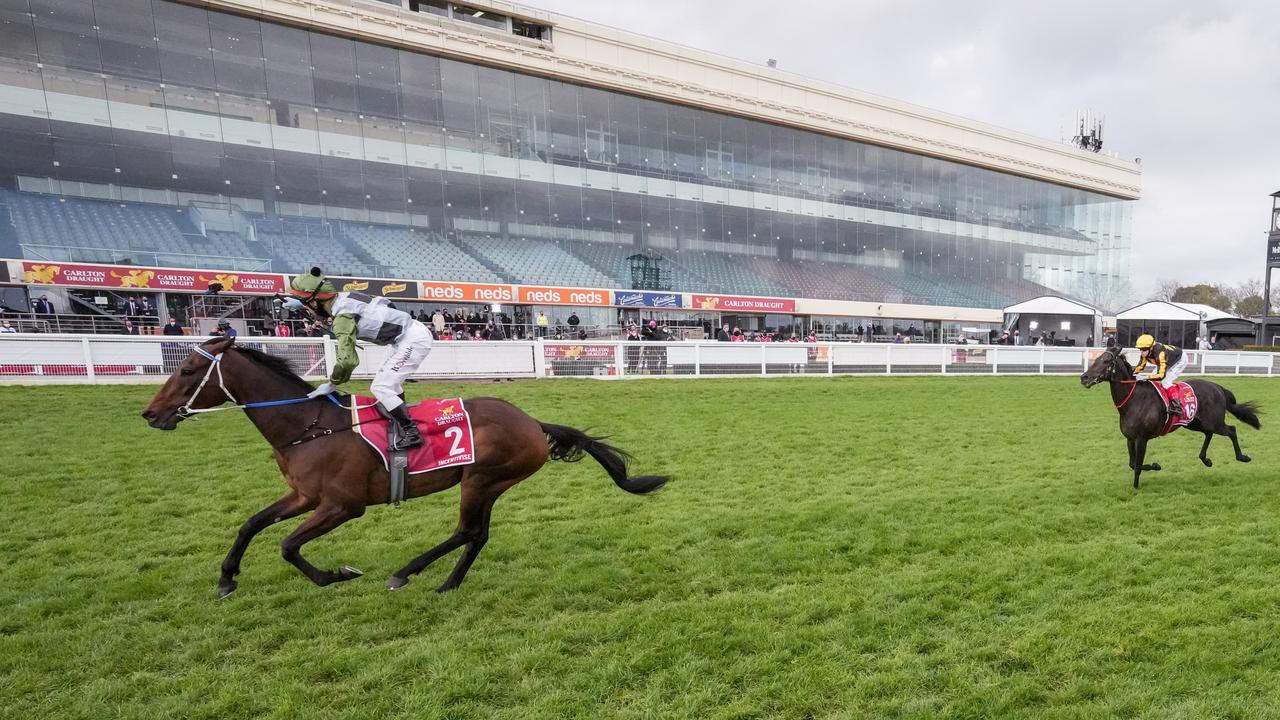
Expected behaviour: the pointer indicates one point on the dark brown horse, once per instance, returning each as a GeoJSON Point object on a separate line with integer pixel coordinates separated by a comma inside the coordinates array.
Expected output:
{"type": "Point", "coordinates": [1143, 415]}
{"type": "Point", "coordinates": [330, 470]}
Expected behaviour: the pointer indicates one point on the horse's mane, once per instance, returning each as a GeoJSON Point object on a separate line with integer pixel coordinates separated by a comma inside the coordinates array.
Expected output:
{"type": "Point", "coordinates": [276, 364]}
{"type": "Point", "coordinates": [1118, 353]}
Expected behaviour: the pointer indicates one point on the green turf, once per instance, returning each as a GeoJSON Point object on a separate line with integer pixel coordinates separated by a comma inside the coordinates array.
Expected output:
{"type": "Point", "coordinates": [851, 547]}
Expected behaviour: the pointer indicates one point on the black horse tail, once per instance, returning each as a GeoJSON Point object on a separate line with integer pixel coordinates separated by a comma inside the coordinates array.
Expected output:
{"type": "Point", "coordinates": [569, 445]}
{"type": "Point", "coordinates": [1247, 413]}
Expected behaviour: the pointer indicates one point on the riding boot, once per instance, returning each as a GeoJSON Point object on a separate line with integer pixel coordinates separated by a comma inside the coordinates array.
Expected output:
{"type": "Point", "coordinates": [1175, 407]}
{"type": "Point", "coordinates": [410, 437]}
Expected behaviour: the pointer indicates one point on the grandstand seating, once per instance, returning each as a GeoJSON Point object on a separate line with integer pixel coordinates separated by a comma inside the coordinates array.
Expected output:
{"type": "Point", "coordinates": [830, 280]}
{"type": "Point", "coordinates": [164, 231]}
{"type": "Point", "coordinates": [165, 235]}
{"type": "Point", "coordinates": [411, 253]}
{"type": "Point", "coordinates": [535, 262]}
{"type": "Point", "coordinates": [731, 274]}
{"type": "Point", "coordinates": [933, 290]}
{"type": "Point", "coordinates": [317, 248]}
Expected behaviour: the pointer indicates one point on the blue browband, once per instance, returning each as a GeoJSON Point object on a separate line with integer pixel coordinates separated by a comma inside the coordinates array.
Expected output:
{"type": "Point", "coordinates": [211, 356]}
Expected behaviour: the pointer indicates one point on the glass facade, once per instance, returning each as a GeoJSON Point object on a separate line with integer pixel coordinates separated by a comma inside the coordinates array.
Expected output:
{"type": "Point", "coordinates": [510, 169]}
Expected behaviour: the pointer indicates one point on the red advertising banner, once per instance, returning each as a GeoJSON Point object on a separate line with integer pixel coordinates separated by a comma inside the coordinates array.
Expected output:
{"type": "Point", "coordinates": [465, 292]}
{"type": "Point", "coordinates": [577, 352]}
{"type": "Point", "coordinates": [743, 304]}
{"type": "Point", "coordinates": [563, 296]}
{"type": "Point", "coordinates": [136, 278]}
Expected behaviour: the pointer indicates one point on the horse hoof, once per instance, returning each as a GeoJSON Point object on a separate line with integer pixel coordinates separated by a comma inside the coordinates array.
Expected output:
{"type": "Point", "coordinates": [349, 573]}
{"type": "Point", "coordinates": [1244, 458]}
{"type": "Point", "coordinates": [1155, 466]}
{"type": "Point", "coordinates": [395, 583]}
{"type": "Point", "coordinates": [446, 588]}
{"type": "Point", "coordinates": [1207, 462]}
{"type": "Point", "coordinates": [226, 590]}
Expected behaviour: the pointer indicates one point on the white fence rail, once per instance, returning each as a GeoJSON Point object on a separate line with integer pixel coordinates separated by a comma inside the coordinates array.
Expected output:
{"type": "Point", "coordinates": [34, 359]}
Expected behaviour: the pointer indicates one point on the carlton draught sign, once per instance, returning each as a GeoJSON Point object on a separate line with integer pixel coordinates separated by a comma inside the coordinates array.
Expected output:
{"type": "Point", "coordinates": [136, 278]}
{"type": "Point", "coordinates": [732, 303]}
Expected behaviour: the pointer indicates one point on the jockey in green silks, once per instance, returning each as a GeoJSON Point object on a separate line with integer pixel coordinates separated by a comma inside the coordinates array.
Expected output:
{"type": "Point", "coordinates": [353, 316]}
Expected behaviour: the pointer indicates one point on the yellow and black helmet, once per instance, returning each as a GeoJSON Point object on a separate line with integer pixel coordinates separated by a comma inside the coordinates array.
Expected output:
{"type": "Point", "coordinates": [312, 286]}
{"type": "Point", "coordinates": [1145, 342]}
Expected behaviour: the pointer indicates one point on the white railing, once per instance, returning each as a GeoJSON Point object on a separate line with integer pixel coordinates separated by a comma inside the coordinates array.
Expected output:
{"type": "Point", "coordinates": [102, 359]}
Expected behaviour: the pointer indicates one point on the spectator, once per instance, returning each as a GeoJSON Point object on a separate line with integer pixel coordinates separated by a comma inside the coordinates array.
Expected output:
{"type": "Point", "coordinates": [738, 336]}
{"type": "Point", "coordinates": [650, 331]}
{"type": "Point", "coordinates": [130, 328]}
{"type": "Point", "coordinates": [573, 320]}
{"type": "Point", "coordinates": [224, 329]}
{"type": "Point", "coordinates": [897, 339]}
{"type": "Point", "coordinates": [494, 331]}
{"type": "Point", "coordinates": [1088, 342]}
{"type": "Point", "coordinates": [132, 308]}
{"type": "Point", "coordinates": [793, 338]}
{"type": "Point", "coordinates": [542, 324]}
{"type": "Point", "coordinates": [722, 335]}
{"type": "Point", "coordinates": [633, 332]}
{"type": "Point", "coordinates": [282, 329]}
{"type": "Point", "coordinates": [1017, 337]}
{"type": "Point", "coordinates": [43, 306]}
{"type": "Point", "coordinates": [6, 328]}
{"type": "Point", "coordinates": [437, 323]}
{"type": "Point", "coordinates": [172, 327]}
{"type": "Point", "coordinates": [149, 306]}
{"type": "Point", "coordinates": [811, 338]}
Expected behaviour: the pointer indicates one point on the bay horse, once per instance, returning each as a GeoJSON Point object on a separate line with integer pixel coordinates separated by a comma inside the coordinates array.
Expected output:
{"type": "Point", "coordinates": [1143, 415]}
{"type": "Point", "coordinates": [332, 471]}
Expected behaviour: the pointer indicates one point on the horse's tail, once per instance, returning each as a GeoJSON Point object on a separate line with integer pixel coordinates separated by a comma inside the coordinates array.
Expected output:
{"type": "Point", "coordinates": [569, 445]}
{"type": "Point", "coordinates": [1247, 413]}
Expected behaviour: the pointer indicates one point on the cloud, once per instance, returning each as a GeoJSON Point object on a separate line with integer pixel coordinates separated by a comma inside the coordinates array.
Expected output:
{"type": "Point", "coordinates": [1190, 88]}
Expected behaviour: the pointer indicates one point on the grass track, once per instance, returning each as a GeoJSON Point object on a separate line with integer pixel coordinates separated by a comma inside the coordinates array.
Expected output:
{"type": "Point", "coordinates": [850, 547]}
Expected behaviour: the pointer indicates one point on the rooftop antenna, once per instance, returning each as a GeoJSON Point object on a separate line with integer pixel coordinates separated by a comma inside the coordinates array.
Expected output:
{"type": "Point", "coordinates": [1088, 131]}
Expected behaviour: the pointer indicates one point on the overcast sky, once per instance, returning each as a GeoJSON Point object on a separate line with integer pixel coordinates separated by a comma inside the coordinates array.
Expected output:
{"type": "Point", "coordinates": [1191, 88]}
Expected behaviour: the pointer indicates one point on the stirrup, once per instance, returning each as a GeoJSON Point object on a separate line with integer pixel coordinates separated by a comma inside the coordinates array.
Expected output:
{"type": "Point", "coordinates": [407, 439]}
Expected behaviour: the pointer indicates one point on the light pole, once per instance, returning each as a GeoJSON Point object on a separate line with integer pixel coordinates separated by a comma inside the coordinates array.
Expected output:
{"type": "Point", "coordinates": [1273, 261]}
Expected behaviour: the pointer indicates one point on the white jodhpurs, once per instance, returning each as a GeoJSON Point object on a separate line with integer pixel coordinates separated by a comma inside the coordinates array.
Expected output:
{"type": "Point", "coordinates": [1171, 373]}
{"type": "Point", "coordinates": [405, 358]}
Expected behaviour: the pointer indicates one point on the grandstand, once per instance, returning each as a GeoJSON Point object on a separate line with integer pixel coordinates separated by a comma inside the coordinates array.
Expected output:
{"type": "Point", "coordinates": [481, 169]}
{"type": "Point", "coordinates": [534, 262]}
{"type": "Point", "coordinates": [64, 228]}
{"type": "Point", "coordinates": [412, 253]}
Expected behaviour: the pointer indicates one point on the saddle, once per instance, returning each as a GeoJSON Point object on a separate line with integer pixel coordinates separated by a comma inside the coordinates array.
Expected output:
{"type": "Point", "coordinates": [1185, 396]}
{"type": "Point", "coordinates": [445, 425]}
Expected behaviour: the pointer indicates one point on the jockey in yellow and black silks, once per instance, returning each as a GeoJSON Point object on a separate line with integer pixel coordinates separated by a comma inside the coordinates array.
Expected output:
{"type": "Point", "coordinates": [1167, 363]}
{"type": "Point", "coordinates": [353, 316]}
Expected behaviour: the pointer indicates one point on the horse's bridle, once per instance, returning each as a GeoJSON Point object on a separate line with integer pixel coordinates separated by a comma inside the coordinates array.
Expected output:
{"type": "Point", "coordinates": [215, 361]}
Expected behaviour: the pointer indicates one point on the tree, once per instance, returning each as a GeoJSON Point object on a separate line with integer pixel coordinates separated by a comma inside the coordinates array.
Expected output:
{"type": "Point", "coordinates": [1165, 290]}
{"type": "Point", "coordinates": [1204, 294]}
{"type": "Point", "coordinates": [1108, 293]}
{"type": "Point", "coordinates": [1249, 306]}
